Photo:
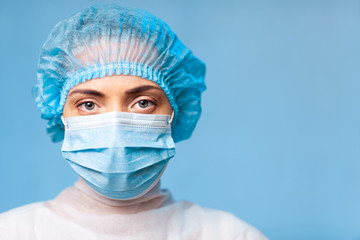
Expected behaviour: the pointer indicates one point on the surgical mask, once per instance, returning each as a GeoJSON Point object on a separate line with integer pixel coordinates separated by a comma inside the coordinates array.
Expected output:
{"type": "Point", "coordinates": [120, 155]}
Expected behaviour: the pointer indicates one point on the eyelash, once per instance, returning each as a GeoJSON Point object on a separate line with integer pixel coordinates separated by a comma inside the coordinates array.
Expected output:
{"type": "Point", "coordinates": [81, 105]}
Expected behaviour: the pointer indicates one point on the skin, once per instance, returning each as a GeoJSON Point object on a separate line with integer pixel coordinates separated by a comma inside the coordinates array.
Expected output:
{"type": "Point", "coordinates": [116, 93]}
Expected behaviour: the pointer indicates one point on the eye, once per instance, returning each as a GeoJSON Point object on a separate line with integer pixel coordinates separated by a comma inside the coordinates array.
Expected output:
{"type": "Point", "coordinates": [143, 103]}
{"type": "Point", "coordinates": [87, 106]}
{"type": "Point", "coordinates": [144, 106]}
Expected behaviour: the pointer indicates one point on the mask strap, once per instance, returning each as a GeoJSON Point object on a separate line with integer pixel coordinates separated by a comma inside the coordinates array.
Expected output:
{"type": "Point", "coordinates": [171, 117]}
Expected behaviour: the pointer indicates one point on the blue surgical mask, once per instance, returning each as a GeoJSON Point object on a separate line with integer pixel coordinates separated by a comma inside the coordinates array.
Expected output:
{"type": "Point", "coordinates": [120, 155]}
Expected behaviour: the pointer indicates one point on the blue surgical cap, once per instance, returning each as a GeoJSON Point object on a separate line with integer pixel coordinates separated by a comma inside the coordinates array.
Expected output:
{"type": "Point", "coordinates": [104, 40]}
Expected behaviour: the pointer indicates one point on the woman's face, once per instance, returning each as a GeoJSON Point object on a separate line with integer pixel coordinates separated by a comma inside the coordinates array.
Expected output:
{"type": "Point", "coordinates": [116, 93]}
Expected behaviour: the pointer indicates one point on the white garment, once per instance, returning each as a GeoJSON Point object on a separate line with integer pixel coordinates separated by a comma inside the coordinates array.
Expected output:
{"type": "Point", "coordinates": [80, 213]}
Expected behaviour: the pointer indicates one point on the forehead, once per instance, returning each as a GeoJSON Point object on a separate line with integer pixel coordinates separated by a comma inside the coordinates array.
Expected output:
{"type": "Point", "coordinates": [119, 82]}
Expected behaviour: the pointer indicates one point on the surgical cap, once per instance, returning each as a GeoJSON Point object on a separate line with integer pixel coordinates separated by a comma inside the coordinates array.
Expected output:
{"type": "Point", "coordinates": [104, 40]}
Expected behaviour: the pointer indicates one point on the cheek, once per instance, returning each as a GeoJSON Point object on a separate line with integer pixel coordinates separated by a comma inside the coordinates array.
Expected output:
{"type": "Point", "coordinates": [166, 108]}
{"type": "Point", "coordinates": [68, 111]}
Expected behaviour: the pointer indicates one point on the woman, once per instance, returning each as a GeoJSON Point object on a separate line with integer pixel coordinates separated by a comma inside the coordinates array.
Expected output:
{"type": "Point", "coordinates": [119, 88]}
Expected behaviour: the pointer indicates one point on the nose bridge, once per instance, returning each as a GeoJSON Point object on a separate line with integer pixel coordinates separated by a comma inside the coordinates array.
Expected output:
{"type": "Point", "coordinates": [116, 103]}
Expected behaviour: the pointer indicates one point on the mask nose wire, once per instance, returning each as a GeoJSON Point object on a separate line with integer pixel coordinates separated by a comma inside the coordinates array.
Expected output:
{"type": "Point", "coordinates": [170, 120]}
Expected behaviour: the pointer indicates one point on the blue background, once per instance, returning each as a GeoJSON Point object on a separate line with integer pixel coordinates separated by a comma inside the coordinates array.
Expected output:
{"type": "Point", "coordinates": [278, 143]}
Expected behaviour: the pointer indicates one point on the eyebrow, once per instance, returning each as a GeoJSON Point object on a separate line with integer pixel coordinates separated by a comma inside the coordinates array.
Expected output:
{"type": "Point", "coordinates": [87, 92]}
{"type": "Point", "coordinates": [141, 88]}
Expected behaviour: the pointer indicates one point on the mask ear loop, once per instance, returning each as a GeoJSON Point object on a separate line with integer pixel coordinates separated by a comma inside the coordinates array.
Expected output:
{"type": "Point", "coordinates": [171, 117]}
{"type": "Point", "coordinates": [63, 120]}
